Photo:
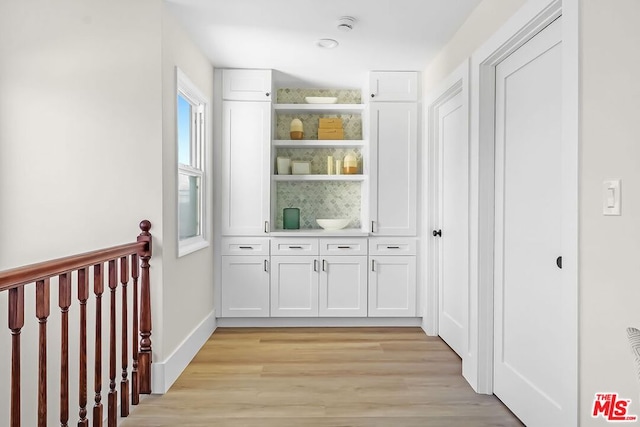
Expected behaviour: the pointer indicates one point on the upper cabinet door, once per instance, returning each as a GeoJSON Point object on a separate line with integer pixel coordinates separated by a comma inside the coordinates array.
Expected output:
{"type": "Point", "coordinates": [385, 86]}
{"type": "Point", "coordinates": [245, 168]}
{"type": "Point", "coordinates": [246, 85]}
{"type": "Point", "coordinates": [394, 175]}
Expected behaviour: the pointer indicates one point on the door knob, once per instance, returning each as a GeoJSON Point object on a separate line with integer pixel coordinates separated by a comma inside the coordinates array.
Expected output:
{"type": "Point", "coordinates": [437, 233]}
{"type": "Point", "coordinates": [559, 262]}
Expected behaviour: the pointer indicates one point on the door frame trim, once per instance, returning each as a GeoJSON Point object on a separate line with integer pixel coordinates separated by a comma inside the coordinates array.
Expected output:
{"type": "Point", "coordinates": [526, 23]}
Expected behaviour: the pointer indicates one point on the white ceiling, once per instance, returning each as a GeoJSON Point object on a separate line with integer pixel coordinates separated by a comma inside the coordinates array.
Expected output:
{"type": "Point", "coordinates": [282, 35]}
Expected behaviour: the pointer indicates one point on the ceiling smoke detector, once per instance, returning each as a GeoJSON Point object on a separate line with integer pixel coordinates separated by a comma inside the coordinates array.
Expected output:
{"type": "Point", "coordinates": [346, 23]}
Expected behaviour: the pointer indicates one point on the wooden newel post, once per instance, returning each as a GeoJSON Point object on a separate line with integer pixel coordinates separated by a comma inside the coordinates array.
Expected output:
{"type": "Point", "coordinates": [144, 355]}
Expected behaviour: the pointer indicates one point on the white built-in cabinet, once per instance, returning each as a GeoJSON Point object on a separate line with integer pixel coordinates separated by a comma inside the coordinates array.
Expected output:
{"type": "Point", "coordinates": [343, 286]}
{"type": "Point", "coordinates": [294, 286]}
{"type": "Point", "coordinates": [246, 160]}
{"type": "Point", "coordinates": [393, 86]}
{"type": "Point", "coordinates": [318, 277]}
{"type": "Point", "coordinates": [247, 85]}
{"type": "Point", "coordinates": [393, 153]}
{"type": "Point", "coordinates": [281, 273]}
{"type": "Point", "coordinates": [245, 291]}
{"type": "Point", "coordinates": [394, 162]}
{"type": "Point", "coordinates": [245, 277]}
{"type": "Point", "coordinates": [392, 278]}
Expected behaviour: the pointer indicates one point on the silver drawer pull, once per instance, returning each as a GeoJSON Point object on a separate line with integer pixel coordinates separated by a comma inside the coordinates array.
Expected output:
{"type": "Point", "coordinates": [344, 247]}
{"type": "Point", "coordinates": [393, 247]}
{"type": "Point", "coordinates": [246, 247]}
{"type": "Point", "coordinates": [295, 247]}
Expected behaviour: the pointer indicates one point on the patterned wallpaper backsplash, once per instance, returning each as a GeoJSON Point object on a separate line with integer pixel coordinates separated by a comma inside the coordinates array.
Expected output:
{"type": "Point", "coordinates": [351, 124]}
{"type": "Point", "coordinates": [319, 199]}
{"type": "Point", "coordinates": [318, 157]}
{"type": "Point", "coordinates": [296, 96]}
{"type": "Point", "coordinates": [328, 199]}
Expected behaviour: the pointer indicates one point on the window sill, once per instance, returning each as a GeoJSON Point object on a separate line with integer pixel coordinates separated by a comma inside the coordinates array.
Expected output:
{"type": "Point", "coordinates": [194, 244]}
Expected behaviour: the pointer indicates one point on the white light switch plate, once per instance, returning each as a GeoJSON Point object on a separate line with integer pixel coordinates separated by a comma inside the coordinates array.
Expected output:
{"type": "Point", "coordinates": [611, 197]}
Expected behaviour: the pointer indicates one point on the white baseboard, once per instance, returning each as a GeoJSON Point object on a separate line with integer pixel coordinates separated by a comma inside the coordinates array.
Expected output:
{"type": "Point", "coordinates": [165, 373]}
{"type": "Point", "coordinates": [278, 322]}
{"type": "Point", "coordinates": [428, 329]}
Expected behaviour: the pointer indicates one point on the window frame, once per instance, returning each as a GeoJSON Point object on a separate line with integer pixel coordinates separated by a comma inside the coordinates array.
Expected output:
{"type": "Point", "coordinates": [197, 167]}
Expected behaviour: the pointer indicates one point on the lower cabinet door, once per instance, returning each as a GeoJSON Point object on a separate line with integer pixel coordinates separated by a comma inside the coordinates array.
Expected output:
{"type": "Point", "coordinates": [392, 286]}
{"type": "Point", "coordinates": [245, 286]}
{"type": "Point", "coordinates": [294, 286]}
{"type": "Point", "coordinates": [343, 286]}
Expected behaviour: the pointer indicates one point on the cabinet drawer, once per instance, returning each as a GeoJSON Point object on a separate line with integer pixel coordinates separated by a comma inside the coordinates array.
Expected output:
{"type": "Point", "coordinates": [294, 246]}
{"type": "Point", "coordinates": [343, 246]}
{"type": "Point", "coordinates": [245, 246]}
{"type": "Point", "coordinates": [392, 246]}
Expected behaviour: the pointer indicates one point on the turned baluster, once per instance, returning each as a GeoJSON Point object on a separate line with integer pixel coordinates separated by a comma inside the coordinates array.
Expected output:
{"type": "Point", "coordinates": [98, 289]}
{"type": "Point", "coordinates": [16, 322]}
{"type": "Point", "coordinates": [64, 302]}
{"type": "Point", "coordinates": [124, 383]}
{"type": "Point", "coordinates": [83, 296]}
{"type": "Point", "coordinates": [43, 310]}
{"type": "Point", "coordinates": [112, 403]}
{"type": "Point", "coordinates": [135, 392]}
{"type": "Point", "coordinates": [144, 355]}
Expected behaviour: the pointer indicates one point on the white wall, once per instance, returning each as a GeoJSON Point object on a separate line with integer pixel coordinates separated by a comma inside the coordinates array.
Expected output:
{"type": "Point", "coordinates": [485, 19]}
{"type": "Point", "coordinates": [87, 150]}
{"type": "Point", "coordinates": [80, 150]}
{"type": "Point", "coordinates": [188, 281]}
{"type": "Point", "coordinates": [609, 246]}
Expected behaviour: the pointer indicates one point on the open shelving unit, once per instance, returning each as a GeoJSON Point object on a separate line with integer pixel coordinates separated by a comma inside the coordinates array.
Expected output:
{"type": "Point", "coordinates": [319, 193]}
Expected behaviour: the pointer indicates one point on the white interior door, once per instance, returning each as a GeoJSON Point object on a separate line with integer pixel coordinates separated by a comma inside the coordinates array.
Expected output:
{"type": "Point", "coordinates": [453, 277]}
{"type": "Point", "coordinates": [529, 328]}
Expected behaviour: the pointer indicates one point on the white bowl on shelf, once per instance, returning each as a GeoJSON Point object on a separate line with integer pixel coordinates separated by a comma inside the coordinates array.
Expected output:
{"type": "Point", "coordinates": [321, 99]}
{"type": "Point", "coordinates": [333, 224]}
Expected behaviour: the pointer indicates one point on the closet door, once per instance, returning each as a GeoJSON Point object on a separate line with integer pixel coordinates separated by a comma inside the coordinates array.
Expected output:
{"type": "Point", "coordinates": [453, 222]}
{"type": "Point", "coordinates": [530, 326]}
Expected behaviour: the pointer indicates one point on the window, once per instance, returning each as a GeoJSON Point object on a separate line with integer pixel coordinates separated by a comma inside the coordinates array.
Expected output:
{"type": "Point", "coordinates": [191, 130]}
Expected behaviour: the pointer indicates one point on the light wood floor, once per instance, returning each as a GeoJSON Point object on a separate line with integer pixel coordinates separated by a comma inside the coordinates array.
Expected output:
{"type": "Point", "coordinates": [302, 377]}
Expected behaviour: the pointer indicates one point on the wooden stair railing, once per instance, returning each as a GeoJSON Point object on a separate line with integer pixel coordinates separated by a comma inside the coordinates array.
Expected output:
{"type": "Point", "coordinates": [133, 260]}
